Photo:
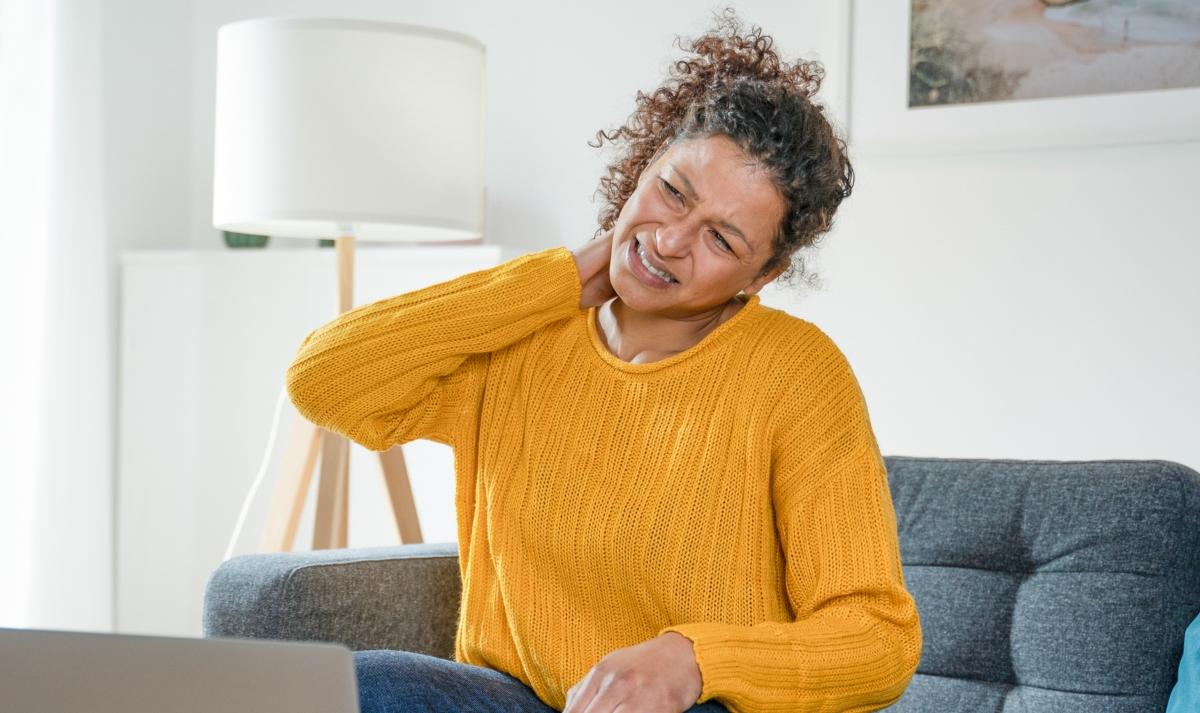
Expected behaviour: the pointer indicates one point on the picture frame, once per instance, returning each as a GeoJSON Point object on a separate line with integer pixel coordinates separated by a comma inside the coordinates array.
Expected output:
{"type": "Point", "coordinates": [882, 124]}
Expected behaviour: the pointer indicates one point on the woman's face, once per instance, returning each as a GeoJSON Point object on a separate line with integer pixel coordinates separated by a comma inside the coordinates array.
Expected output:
{"type": "Point", "coordinates": [704, 216]}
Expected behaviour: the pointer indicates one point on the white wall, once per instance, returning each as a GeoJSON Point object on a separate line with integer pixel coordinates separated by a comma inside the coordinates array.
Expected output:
{"type": "Point", "coordinates": [1024, 305]}
{"type": "Point", "coordinates": [118, 180]}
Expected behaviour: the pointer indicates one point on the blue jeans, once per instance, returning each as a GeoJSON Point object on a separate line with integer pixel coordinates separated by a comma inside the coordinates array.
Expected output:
{"type": "Point", "coordinates": [408, 682]}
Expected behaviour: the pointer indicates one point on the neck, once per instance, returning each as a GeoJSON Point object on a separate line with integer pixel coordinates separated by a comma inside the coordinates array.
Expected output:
{"type": "Point", "coordinates": [633, 332]}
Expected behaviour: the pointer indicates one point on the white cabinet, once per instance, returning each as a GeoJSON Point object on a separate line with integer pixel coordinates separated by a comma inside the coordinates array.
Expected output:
{"type": "Point", "coordinates": [206, 337]}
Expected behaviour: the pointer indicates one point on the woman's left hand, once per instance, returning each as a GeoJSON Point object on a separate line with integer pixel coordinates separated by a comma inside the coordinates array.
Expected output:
{"type": "Point", "coordinates": [655, 676]}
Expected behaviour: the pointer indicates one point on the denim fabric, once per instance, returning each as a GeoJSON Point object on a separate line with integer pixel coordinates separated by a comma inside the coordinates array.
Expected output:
{"type": "Point", "coordinates": [407, 682]}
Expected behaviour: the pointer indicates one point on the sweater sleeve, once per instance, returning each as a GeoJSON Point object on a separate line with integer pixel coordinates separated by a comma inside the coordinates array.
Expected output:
{"type": "Point", "coordinates": [409, 366]}
{"type": "Point", "coordinates": [855, 640]}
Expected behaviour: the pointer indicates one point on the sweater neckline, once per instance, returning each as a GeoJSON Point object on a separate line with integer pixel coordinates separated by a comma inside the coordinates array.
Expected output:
{"type": "Point", "coordinates": [748, 309]}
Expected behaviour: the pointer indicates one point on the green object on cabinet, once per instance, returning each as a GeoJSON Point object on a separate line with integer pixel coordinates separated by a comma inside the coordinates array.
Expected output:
{"type": "Point", "coordinates": [245, 240]}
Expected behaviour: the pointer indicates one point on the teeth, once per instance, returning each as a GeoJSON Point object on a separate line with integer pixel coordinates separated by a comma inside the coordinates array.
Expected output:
{"type": "Point", "coordinates": [642, 254]}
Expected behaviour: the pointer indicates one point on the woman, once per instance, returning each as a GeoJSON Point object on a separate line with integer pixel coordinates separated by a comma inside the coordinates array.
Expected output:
{"type": "Point", "coordinates": [669, 496]}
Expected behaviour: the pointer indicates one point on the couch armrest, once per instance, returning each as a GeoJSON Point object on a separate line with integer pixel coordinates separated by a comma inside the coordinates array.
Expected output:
{"type": "Point", "coordinates": [404, 597]}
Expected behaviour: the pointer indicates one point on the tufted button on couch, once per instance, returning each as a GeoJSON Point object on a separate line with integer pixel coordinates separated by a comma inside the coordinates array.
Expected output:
{"type": "Point", "coordinates": [1042, 586]}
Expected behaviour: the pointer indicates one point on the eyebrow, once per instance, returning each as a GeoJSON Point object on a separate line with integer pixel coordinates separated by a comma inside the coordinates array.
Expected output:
{"type": "Point", "coordinates": [687, 186]}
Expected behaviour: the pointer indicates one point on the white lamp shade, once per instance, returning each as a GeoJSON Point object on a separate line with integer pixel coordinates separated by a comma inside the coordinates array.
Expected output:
{"type": "Point", "coordinates": [332, 127]}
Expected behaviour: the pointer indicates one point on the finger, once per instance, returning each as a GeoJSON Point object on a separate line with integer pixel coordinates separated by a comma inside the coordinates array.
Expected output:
{"type": "Point", "coordinates": [583, 697]}
{"type": "Point", "coordinates": [573, 695]}
{"type": "Point", "coordinates": [604, 702]}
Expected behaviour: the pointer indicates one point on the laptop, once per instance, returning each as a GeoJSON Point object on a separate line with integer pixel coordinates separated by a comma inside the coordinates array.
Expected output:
{"type": "Point", "coordinates": [46, 671]}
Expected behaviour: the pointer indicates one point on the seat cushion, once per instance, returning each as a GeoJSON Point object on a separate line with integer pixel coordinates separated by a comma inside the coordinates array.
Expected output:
{"type": "Point", "coordinates": [1047, 585]}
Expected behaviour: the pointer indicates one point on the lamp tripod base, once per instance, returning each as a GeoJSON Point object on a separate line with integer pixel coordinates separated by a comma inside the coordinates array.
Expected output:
{"type": "Point", "coordinates": [306, 442]}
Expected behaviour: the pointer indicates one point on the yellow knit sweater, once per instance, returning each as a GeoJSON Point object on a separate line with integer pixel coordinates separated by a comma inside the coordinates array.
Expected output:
{"type": "Point", "coordinates": [733, 492]}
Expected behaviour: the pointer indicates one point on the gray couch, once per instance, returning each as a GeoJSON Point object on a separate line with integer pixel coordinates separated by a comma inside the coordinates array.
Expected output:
{"type": "Point", "coordinates": [1043, 586]}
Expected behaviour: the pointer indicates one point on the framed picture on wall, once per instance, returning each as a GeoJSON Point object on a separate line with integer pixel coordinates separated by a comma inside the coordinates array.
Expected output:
{"type": "Point", "coordinates": [948, 76]}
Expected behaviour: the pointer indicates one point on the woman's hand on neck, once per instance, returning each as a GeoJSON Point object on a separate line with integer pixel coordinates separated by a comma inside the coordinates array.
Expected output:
{"type": "Point", "coordinates": [592, 260]}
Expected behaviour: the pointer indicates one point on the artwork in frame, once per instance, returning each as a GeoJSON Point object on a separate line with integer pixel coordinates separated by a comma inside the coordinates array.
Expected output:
{"type": "Point", "coordinates": [947, 76]}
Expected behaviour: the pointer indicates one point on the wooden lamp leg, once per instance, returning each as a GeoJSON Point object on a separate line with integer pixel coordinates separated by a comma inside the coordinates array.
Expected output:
{"type": "Point", "coordinates": [395, 476]}
{"type": "Point", "coordinates": [291, 490]}
{"type": "Point", "coordinates": [332, 515]}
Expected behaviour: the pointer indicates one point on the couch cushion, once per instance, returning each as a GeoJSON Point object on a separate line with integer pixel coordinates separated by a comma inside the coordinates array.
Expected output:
{"type": "Point", "coordinates": [398, 597]}
{"type": "Point", "coordinates": [1047, 585]}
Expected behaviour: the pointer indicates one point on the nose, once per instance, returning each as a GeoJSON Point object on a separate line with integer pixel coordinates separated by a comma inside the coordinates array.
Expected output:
{"type": "Point", "coordinates": [675, 237]}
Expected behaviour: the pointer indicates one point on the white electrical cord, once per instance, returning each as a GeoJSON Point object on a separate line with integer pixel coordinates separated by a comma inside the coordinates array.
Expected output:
{"type": "Point", "coordinates": [258, 479]}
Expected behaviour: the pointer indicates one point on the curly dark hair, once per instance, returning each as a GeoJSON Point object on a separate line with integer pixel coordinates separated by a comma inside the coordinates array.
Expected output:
{"type": "Point", "coordinates": [740, 88]}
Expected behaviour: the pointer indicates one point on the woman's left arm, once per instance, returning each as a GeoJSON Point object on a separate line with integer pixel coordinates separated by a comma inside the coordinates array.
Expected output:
{"type": "Point", "coordinates": [856, 639]}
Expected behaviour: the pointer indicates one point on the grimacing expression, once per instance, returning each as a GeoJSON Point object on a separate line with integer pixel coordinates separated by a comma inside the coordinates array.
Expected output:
{"type": "Point", "coordinates": [706, 216]}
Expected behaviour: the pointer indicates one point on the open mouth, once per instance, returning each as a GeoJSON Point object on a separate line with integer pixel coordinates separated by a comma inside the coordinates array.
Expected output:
{"type": "Point", "coordinates": [645, 270]}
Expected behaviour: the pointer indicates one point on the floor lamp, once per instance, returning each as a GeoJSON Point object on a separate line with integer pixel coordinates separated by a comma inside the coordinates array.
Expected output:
{"type": "Point", "coordinates": [351, 130]}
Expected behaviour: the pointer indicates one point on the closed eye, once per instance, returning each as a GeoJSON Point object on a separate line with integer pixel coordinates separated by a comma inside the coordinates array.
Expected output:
{"type": "Point", "coordinates": [671, 188]}
{"type": "Point", "coordinates": [724, 244]}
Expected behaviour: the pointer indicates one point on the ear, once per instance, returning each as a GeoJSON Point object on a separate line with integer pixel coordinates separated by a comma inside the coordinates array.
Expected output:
{"type": "Point", "coordinates": [763, 280]}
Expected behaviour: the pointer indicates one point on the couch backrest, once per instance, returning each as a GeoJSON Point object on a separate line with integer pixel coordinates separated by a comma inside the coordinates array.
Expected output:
{"type": "Point", "coordinates": [1047, 586]}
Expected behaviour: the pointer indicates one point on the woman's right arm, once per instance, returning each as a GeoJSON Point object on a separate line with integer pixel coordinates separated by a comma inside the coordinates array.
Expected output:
{"type": "Point", "coordinates": [409, 366]}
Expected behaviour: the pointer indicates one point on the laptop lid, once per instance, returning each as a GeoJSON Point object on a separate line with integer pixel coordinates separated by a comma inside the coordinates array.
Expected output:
{"type": "Point", "coordinates": [45, 671]}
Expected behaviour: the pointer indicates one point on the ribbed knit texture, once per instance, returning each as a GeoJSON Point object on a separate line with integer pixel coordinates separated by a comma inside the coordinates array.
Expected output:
{"type": "Point", "coordinates": [733, 492]}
